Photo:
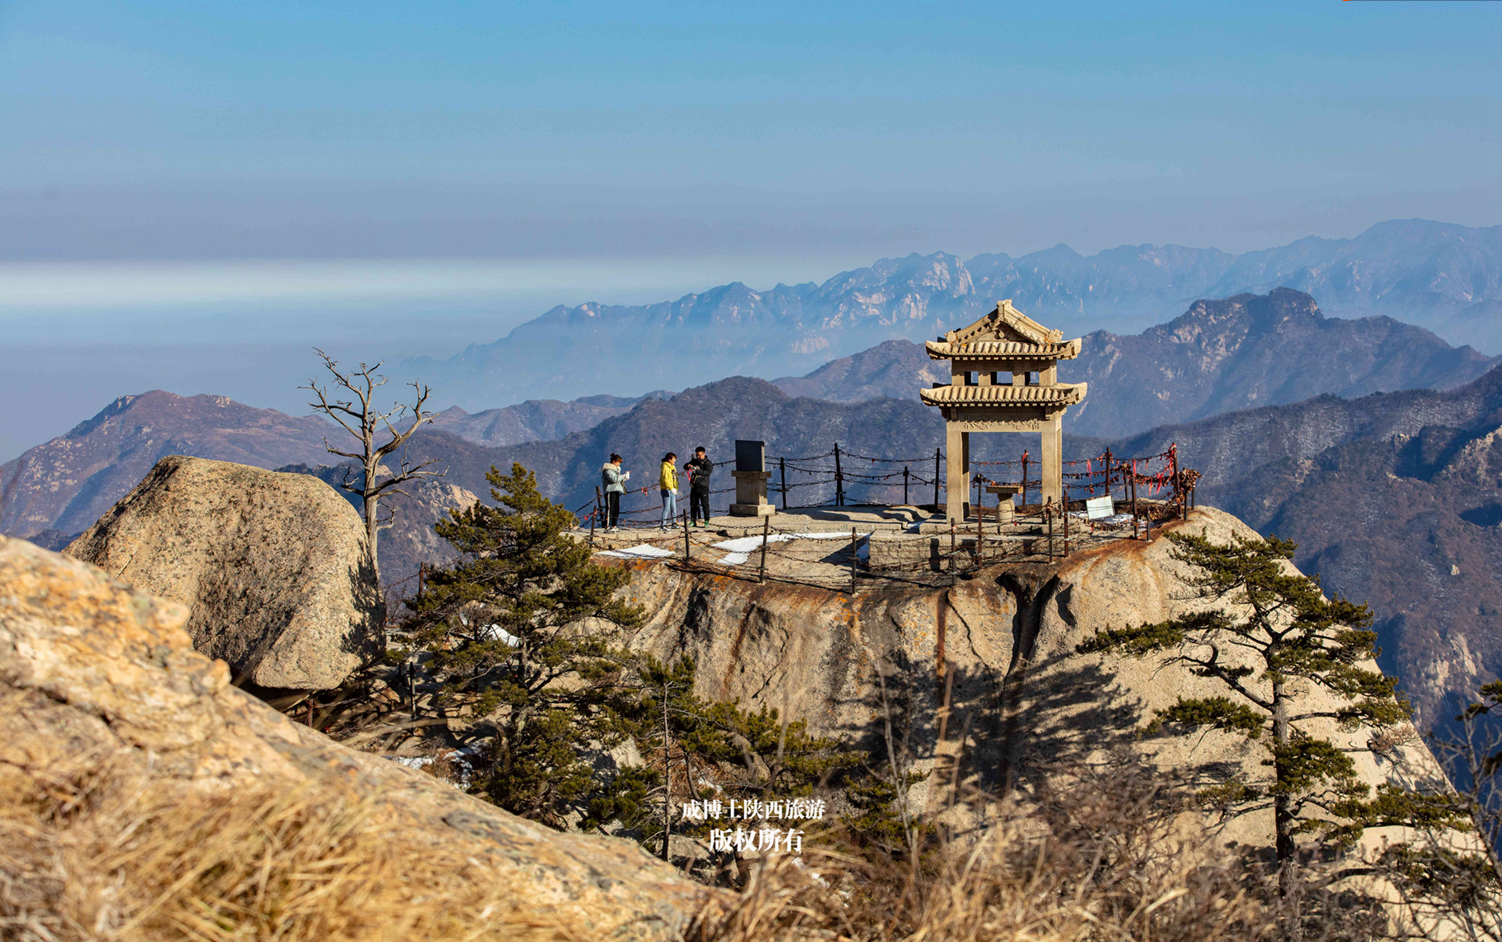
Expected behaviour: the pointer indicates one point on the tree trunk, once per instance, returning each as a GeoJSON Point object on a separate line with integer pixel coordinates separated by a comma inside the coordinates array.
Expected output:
{"type": "Point", "coordinates": [667, 778]}
{"type": "Point", "coordinates": [1284, 820]}
{"type": "Point", "coordinates": [372, 517]}
{"type": "Point", "coordinates": [371, 532]}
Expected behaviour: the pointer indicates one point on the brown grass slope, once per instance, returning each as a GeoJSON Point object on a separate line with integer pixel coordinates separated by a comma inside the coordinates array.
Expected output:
{"type": "Point", "coordinates": [142, 797]}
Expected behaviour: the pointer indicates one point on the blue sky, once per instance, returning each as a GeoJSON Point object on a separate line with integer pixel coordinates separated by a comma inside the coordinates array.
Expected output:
{"type": "Point", "coordinates": [193, 193]}
{"type": "Point", "coordinates": [291, 130]}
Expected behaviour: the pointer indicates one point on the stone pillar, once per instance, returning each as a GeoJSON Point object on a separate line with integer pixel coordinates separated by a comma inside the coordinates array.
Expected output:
{"type": "Point", "coordinates": [965, 448]}
{"type": "Point", "coordinates": [956, 481]}
{"type": "Point", "coordinates": [1052, 463]}
{"type": "Point", "coordinates": [751, 494]}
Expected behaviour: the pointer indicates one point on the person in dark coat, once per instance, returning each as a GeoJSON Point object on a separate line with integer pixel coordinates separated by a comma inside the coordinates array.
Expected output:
{"type": "Point", "coordinates": [699, 470]}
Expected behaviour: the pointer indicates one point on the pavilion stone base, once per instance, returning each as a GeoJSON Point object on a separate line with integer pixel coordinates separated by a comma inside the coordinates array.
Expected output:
{"type": "Point", "coordinates": [751, 494]}
{"type": "Point", "coordinates": [904, 551]}
{"type": "Point", "coordinates": [752, 510]}
{"type": "Point", "coordinates": [931, 552]}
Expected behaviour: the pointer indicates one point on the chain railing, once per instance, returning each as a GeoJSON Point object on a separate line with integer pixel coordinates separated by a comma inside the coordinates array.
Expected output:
{"type": "Point", "coordinates": [1152, 490]}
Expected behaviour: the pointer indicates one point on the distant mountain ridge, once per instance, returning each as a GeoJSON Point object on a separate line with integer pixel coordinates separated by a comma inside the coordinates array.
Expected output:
{"type": "Point", "coordinates": [1218, 356]}
{"type": "Point", "coordinates": [1438, 275]}
{"type": "Point", "coordinates": [66, 483]}
{"type": "Point", "coordinates": [535, 419]}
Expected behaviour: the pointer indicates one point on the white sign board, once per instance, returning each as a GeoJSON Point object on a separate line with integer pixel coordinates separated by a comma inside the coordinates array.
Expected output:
{"type": "Point", "coordinates": [1099, 508]}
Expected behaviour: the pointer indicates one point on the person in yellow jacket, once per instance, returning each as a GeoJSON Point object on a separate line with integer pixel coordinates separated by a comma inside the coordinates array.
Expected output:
{"type": "Point", "coordinates": [667, 481]}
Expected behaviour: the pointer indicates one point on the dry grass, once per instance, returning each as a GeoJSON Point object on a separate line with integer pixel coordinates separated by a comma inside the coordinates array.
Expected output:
{"type": "Point", "coordinates": [103, 855]}
{"type": "Point", "coordinates": [100, 852]}
{"type": "Point", "coordinates": [1005, 890]}
{"type": "Point", "coordinates": [1106, 860]}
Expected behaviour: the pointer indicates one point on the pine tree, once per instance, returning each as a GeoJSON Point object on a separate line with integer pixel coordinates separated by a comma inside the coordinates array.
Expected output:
{"type": "Point", "coordinates": [526, 630]}
{"type": "Point", "coordinates": [1274, 639]}
{"type": "Point", "coordinates": [705, 749]}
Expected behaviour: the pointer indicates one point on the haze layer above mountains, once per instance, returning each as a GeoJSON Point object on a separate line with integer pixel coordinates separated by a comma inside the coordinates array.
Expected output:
{"type": "Point", "coordinates": [1441, 276]}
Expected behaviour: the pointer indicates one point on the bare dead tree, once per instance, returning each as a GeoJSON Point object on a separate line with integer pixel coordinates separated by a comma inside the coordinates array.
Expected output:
{"type": "Point", "coordinates": [1449, 883]}
{"type": "Point", "coordinates": [366, 422]}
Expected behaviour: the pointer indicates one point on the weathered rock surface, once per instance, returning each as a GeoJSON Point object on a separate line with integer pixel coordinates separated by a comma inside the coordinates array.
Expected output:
{"type": "Point", "coordinates": [273, 567]}
{"type": "Point", "coordinates": [89, 666]}
{"type": "Point", "coordinates": [1002, 644]}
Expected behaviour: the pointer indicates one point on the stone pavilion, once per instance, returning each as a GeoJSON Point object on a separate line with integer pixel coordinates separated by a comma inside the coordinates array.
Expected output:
{"type": "Point", "coordinates": [1003, 378]}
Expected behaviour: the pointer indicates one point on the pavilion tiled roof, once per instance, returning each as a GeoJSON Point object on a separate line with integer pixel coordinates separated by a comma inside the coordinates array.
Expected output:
{"type": "Point", "coordinates": [1061, 394]}
{"type": "Point", "coordinates": [1002, 350]}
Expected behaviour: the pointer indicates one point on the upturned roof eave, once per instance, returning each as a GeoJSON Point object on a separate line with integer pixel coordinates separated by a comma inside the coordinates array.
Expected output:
{"type": "Point", "coordinates": [1060, 395]}
{"type": "Point", "coordinates": [944, 350]}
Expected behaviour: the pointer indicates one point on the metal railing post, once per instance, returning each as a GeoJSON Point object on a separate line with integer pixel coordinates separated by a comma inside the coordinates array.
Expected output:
{"type": "Point", "coordinates": [938, 460]}
{"type": "Point", "coordinates": [839, 478]}
{"type": "Point", "coordinates": [854, 549]}
{"type": "Point", "coordinates": [766, 528]}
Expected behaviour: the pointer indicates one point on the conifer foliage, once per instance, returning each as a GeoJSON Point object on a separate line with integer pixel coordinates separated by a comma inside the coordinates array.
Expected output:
{"type": "Point", "coordinates": [698, 749]}
{"type": "Point", "coordinates": [528, 633]}
{"type": "Point", "coordinates": [1270, 637]}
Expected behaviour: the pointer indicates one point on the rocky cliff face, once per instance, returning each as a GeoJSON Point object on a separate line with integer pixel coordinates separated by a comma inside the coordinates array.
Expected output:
{"type": "Point", "coordinates": [93, 670]}
{"type": "Point", "coordinates": [1000, 646]}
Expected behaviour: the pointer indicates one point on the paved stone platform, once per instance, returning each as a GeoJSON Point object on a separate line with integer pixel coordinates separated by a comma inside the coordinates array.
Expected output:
{"type": "Point", "coordinates": [815, 543]}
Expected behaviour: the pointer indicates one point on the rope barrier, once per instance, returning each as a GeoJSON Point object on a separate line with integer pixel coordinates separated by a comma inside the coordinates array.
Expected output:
{"type": "Point", "coordinates": [833, 483]}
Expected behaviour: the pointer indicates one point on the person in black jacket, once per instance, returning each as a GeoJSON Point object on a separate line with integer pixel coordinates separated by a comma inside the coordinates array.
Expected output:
{"type": "Point", "coordinates": [699, 470]}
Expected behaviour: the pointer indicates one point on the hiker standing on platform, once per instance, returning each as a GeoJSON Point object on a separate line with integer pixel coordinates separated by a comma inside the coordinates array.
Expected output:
{"type": "Point", "coordinates": [699, 470]}
{"type": "Point", "coordinates": [615, 486]}
{"type": "Point", "coordinates": [667, 481]}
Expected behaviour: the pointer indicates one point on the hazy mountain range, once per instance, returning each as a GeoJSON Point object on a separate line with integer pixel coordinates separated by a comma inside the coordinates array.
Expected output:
{"type": "Point", "coordinates": [1394, 497]}
{"type": "Point", "coordinates": [1437, 275]}
{"type": "Point", "coordinates": [535, 419]}
{"type": "Point", "coordinates": [1219, 356]}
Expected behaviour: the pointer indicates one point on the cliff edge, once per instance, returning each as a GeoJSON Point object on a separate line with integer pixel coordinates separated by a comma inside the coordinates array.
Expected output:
{"type": "Point", "coordinates": [982, 679]}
